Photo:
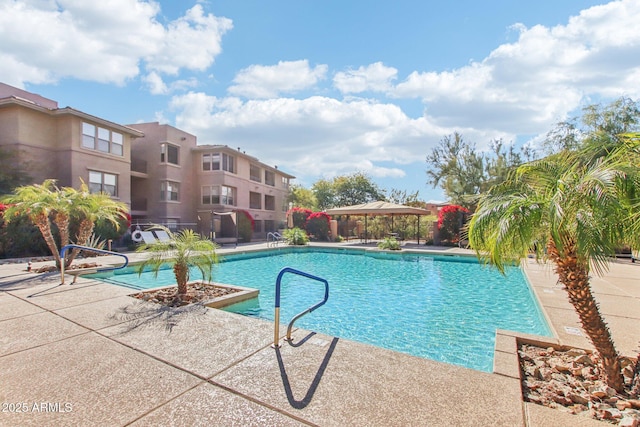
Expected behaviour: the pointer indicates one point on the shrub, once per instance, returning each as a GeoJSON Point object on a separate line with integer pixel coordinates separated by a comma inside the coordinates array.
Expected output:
{"type": "Point", "coordinates": [318, 225]}
{"type": "Point", "coordinates": [106, 230]}
{"type": "Point", "coordinates": [296, 236]}
{"type": "Point", "coordinates": [300, 216]}
{"type": "Point", "coordinates": [246, 224]}
{"type": "Point", "coordinates": [389, 243]}
{"type": "Point", "coordinates": [451, 220]}
{"type": "Point", "coordinates": [20, 238]}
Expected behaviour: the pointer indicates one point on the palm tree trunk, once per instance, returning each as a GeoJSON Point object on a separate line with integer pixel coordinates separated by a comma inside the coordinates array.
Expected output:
{"type": "Point", "coordinates": [181, 272]}
{"type": "Point", "coordinates": [84, 232]}
{"type": "Point", "coordinates": [574, 275]}
{"type": "Point", "coordinates": [42, 222]}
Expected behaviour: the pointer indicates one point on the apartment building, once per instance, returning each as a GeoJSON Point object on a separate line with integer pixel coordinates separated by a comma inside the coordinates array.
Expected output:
{"type": "Point", "coordinates": [66, 144]}
{"type": "Point", "coordinates": [177, 182]}
{"type": "Point", "coordinates": [158, 170]}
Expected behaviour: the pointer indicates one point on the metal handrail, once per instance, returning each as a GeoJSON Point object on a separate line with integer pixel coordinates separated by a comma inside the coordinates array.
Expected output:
{"type": "Point", "coordinates": [273, 238]}
{"type": "Point", "coordinates": [87, 248]}
{"type": "Point", "coordinates": [276, 332]}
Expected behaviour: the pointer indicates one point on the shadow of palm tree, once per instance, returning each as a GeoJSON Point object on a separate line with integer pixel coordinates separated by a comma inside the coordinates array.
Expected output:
{"type": "Point", "coordinates": [142, 314]}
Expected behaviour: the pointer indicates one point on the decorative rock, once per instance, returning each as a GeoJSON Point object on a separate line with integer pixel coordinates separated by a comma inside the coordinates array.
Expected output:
{"type": "Point", "coordinates": [584, 359]}
{"type": "Point", "coordinates": [623, 404]}
{"type": "Point", "coordinates": [629, 422]}
{"type": "Point", "coordinates": [577, 398]}
{"type": "Point", "coordinates": [576, 352]}
{"type": "Point", "coordinates": [635, 403]}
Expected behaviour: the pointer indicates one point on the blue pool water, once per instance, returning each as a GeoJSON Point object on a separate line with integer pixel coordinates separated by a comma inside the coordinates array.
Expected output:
{"type": "Point", "coordinates": [441, 308]}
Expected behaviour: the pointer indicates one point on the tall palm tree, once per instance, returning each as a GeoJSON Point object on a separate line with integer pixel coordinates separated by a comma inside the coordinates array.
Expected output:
{"type": "Point", "coordinates": [184, 250]}
{"type": "Point", "coordinates": [38, 202]}
{"type": "Point", "coordinates": [574, 210]}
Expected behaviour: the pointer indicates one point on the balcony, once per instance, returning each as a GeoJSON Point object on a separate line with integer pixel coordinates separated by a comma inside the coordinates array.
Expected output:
{"type": "Point", "coordinates": [139, 168]}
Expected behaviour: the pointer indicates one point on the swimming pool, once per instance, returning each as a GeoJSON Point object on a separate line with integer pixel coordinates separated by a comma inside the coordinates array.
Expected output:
{"type": "Point", "coordinates": [441, 308]}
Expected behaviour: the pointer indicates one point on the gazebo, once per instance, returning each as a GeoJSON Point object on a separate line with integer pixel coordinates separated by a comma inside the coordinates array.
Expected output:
{"type": "Point", "coordinates": [379, 208]}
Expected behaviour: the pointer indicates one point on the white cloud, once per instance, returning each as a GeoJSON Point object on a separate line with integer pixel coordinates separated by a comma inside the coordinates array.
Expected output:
{"type": "Point", "coordinates": [268, 81]}
{"type": "Point", "coordinates": [528, 85]}
{"type": "Point", "coordinates": [374, 77]}
{"type": "Point", "coordinates": [315, 136]}
{"type": "Point", "coordinates": [157, 86]}
{"type": "Point", "coordinates": [44, 41]}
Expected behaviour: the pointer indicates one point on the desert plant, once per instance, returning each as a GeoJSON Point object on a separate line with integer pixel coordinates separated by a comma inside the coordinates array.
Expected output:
{"type": "Point", "coordinates": [389, 243]}
{"type": "Point", "coordinates": [296, 236]}
{"type": "Point", "coordinates": [94, 242]}
{"type": "Point", "coordinates": [246, 224]}
{"type": "Point", "coordinates": [184, 250]}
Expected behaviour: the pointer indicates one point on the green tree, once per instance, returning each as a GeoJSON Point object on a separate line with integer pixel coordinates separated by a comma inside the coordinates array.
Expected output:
{"type": "Point", "coordinates": [346, 190]}
{"type": "Point", "coordinates": [302, 197]}
{"type": "Point", "coordinates": [573, 210]}
{"type": "Point", "coordinates": [12, 173]}
{"type": "Point", "coordinates": [51, 208]}
{"type": "Point", "coordinates": [463, 173]}
{"type": "Point", "coordinates": [185, 249]}
{"type": "Point", "coordinates": [324, 194]}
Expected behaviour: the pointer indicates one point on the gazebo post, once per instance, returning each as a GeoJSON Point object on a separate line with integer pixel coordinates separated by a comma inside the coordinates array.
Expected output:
{"type": "Point", "coordinates": [418, 229]}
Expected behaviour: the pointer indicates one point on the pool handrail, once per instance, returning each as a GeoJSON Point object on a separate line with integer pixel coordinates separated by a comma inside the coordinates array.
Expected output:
{"type": "Point", "coordinates": [276, 332]}
{"type": "Point", "coordinates": [273, 237]}
{"type": "Point", "coordinates": [88, 248]}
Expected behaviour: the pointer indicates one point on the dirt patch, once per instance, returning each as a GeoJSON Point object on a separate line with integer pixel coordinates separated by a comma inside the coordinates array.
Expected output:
{"type": "Point", "coordinates": [52, 268]}
{"type": "Point", "coordinates": [570, 381]}
{"type": "Point", "coordinates": [197, 292]}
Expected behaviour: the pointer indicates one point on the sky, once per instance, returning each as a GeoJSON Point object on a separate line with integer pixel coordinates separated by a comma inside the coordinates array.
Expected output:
{"type": "Point", "coordinates": [332, 87]}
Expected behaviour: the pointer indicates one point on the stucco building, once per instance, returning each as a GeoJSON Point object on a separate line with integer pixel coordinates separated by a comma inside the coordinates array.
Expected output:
{"type": "Point", "coordinates": [158, 170]}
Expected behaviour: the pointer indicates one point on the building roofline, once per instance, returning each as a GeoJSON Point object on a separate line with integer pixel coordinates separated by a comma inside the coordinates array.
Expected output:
{"type": "Point", "coordinates": [237, 152]}
{"type": "Point", "coordinates": [23, 102]}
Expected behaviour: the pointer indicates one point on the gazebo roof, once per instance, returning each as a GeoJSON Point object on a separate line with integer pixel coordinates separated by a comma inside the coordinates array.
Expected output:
{"type": "Point", "coordinates": [377, 208]}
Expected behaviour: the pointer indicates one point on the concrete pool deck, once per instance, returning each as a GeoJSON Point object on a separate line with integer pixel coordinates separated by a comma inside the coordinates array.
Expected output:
{"type": "Point", "coordinates": [88, 354]}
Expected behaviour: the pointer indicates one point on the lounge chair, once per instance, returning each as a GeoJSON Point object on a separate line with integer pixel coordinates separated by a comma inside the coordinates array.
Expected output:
{"type": "Point", "coordinates": [148, 237]}
{"type": "Point", "coordinates": [163, 236]}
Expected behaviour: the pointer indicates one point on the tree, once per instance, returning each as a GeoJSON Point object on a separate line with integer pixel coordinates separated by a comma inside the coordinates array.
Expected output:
{"type": "Point", "coordinates": [12, 174]}
{"type": "Point", "coordinates": [302, 197]}
{"type": "Point", "coordinates": [185, 249]}
{"type": "Point", "coordinates": [463, 173]}
{"type": "Point", "coordinates": [37, 201]}
{"type": "Point", "coordinates": [346, 190]}
{"type": "Point", "coordinates": [451, 219]}
{"type": "Point", "coordinates": [578, 209]}
{"type": "Point", "coordinates": [324, 194]}
{"type": "Point", "coordinates": [318, 225]}
{"type": "Point", "coordinates": [47, 206]}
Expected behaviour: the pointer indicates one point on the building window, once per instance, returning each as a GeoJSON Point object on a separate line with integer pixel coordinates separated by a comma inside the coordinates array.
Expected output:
{"type": "Point", "coordinates": [101, 139]}
{"type": "Point", "coordinates": [269, 225]}
{"type": "Point", "coordinates": [255, 173]}
{"type": "Point", "coordinates": [210, 195]}
{"type": "Point", "coordinates": [218, 195]}
{"type": "Point", "coordinates": [269, 203]}
{"type": "Point", "coordinates": [255, 200]}
{"type": "Point", "coordinates": [218, 161]}
{"type": "Point", "coordinates": [169, 154]}
{"type": "Point", "coordinates": [270, 178]}
{"type": "Point", "coordinates": [227, 195]}
{"type": "Point", "coordinates": [169, 191]}
{"type": "Point", "coordinates": [100, 182]}
{"type": "Point", "coordinates": [285, 182]}
{"type": "Point", "coordinates": [258, 226]}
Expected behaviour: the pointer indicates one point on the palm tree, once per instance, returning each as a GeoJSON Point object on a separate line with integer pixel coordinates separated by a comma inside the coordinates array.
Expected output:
{"type": "Point", "coordinates": [38, 202]}
{"type": "Point", "coordinates": [184, 250]}
{"type": "Point", "coordinates": [574, 210]}
{"type": "Point", "coordinates": [88, 208]}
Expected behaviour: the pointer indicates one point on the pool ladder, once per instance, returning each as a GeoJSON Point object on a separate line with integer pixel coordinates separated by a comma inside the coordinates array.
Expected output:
{"type": "Point", "coordinates": [273, 239]}
{"type": "Point", "coordinates": [276, 332]}
{"type": "Point", "coordinates": [87, 248]}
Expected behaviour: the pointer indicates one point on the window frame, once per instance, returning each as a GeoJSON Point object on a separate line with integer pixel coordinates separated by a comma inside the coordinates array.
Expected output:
{"type": "Point", "coordinates": [165, 154]}
{"type": "Point", "coordinates": [102, 139]}
{"type": "Point", "coordinates": [103, 183]}
{"type": "Point", "coordinates": [167, 188]}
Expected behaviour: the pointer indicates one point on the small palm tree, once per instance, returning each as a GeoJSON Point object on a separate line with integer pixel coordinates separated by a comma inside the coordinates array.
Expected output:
{"type": "Point", "coordinates": [184, 250]}
{"type": "Point", "coordinates": [574, 211]}
{"type": "Point", "coordinates": [38, 202]}
{"type": "Point", "coordinates": [88, 208]}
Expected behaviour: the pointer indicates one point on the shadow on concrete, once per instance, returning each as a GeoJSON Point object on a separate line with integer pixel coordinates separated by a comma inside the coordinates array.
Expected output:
{"type": "Point", "coordinates": [141, 314]}
{"type": "Point", "coordinates": [300, 404]}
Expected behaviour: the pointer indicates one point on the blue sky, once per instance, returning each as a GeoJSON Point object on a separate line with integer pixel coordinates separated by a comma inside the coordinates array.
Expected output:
{"type": "Point", "coordinates": [324, 88]}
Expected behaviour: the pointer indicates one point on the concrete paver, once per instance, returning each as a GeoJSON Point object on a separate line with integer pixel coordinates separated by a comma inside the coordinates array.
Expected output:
{"type": "Point", "coordinates": [117, 360]}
